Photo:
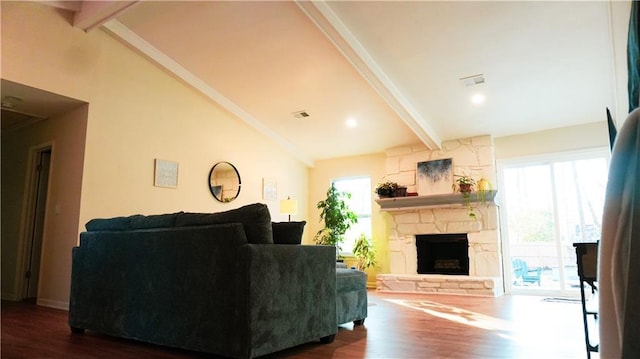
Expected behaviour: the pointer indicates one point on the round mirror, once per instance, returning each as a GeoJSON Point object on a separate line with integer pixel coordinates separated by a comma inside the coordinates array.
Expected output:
{"type": "Point", "coordinates": [224, 182]}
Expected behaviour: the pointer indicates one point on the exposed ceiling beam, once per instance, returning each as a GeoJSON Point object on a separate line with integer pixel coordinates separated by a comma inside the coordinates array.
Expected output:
{"type": "Point", "coordinates": [92, 14]}
{"type": "Point", "coordinates": [322, 15]}
{"type": "Point", "coordinates": [66, 5]}
{"type": "Point", "coordinates": [125, 34]}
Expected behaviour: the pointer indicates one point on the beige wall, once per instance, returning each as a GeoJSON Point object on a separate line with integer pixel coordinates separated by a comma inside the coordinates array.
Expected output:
{"type": "Point", "coordinates": [136, 113]}
{"type": "Point", "coordinates": [320, 178]}
{"type": "Point", "coordinates": [557, 140]}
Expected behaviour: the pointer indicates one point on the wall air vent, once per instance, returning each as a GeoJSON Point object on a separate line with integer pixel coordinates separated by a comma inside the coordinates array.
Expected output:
{"type": "Point", "coordinates": [472, 80]}
{"type": "Point", "coordinates": [301, 114]}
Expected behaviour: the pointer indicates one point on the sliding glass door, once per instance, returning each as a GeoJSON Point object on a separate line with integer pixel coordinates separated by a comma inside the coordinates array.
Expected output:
{"type": "Point", "coordinates": [548, 204]}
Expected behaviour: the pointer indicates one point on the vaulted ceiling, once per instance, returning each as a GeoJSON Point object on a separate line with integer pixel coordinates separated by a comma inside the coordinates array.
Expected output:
{"type": "Point", "coordinates": [402, 72]}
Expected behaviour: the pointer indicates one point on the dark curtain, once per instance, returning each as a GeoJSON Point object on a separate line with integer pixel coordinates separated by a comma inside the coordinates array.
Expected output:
{"type": "Point", "coordinates": [633, 56]}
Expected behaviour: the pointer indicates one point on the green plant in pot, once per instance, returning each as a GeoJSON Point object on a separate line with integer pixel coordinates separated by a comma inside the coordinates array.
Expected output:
{"type": "Point", "coordinates": [386, 189]}
{"type": "Point", "coordinates": [465, 185]}
{"type": "Point", "coordinates": [337, 218]}
{"type": "Point", "coordinates": [365, 252]}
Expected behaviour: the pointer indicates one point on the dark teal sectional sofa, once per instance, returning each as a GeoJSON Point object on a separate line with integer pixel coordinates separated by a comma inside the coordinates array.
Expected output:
{"type": "Point", "coordinates": [217, 283]}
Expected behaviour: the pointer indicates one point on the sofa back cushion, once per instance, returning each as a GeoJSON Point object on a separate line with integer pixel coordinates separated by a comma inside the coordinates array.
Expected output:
{"type": "Point", "coordinates": [287, 232]}
{"type": "Point", "coordinates": [154, 221]}
{"type": "Point", "coordinates": [109, 224]}
{"type": "Point", "coordinates": [255, 219]}
{"type": "Point", "coordinates": [136, 221]}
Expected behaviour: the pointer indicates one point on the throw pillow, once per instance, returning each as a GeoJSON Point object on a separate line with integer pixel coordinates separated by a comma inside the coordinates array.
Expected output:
{"type": "Point", "coordinates": [255, 219]}
{"type": "Point", "coordinates": [287, 232]}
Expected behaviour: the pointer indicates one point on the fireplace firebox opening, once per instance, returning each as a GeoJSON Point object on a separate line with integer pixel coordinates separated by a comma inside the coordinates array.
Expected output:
{"type": "Point", "coordinates": [443, 253]}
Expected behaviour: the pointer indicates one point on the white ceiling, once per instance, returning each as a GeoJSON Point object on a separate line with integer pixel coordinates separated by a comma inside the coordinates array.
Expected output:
{"type": "Point", "coordinates": [392, 66]}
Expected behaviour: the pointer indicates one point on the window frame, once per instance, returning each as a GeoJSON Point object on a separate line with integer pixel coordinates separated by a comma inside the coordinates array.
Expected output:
{"type": "Point", "coordinates": [369, 216]}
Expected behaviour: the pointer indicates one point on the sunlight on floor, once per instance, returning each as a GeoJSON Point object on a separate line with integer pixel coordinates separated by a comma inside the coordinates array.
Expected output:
{"type": "Point", "coordinates": [455, 314]}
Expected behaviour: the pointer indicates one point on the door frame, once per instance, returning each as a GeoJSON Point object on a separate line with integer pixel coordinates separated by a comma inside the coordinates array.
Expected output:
{"type": "Point", "coordinates": [27, 217]}
{"type": "Point", "coordinates": [538, 159]}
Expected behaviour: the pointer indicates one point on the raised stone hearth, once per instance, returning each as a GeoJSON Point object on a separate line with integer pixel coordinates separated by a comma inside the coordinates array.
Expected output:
{"type": "Point", "coordinates": [438, 283]}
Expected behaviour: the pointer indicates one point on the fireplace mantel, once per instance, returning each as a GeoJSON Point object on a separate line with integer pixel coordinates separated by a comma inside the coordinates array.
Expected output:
{"type": "Point", "coordinates": [448, 200]}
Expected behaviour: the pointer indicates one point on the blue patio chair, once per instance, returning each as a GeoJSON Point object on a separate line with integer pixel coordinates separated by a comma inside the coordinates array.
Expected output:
{"type": "Point", "coordinates": [522, 271]}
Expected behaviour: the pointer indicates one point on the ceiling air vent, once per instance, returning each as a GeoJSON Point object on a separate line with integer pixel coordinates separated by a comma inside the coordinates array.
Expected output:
{"type": "Point", "coordinates": [301, 114]}
{"type": "Point", "coordinates": [472, 80]}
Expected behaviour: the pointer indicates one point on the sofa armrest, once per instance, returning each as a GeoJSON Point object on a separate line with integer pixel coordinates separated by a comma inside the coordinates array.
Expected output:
{"type": "Point", "coordinates": [292, 295]}
{"type": "Point", "coordinates": [178, 287]}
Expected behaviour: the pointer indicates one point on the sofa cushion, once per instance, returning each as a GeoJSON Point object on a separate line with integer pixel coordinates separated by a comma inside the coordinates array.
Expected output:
{"type": "Point", "coordinates": [110, 224]}
{"type": "Point", "coordinates": [287, 232]}
{"type": "Point", "coordinates": [153, 221]}
{"type": "Point", "coordinates": [348, 280]}
{"type": "Point", "coordinates": [136, 221]}
{"type": "Point", "coordinates": [255, 219]}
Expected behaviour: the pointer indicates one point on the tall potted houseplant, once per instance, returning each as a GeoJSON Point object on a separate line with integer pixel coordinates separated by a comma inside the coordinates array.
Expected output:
{"type": "Point", "coordinates": [337, 218]}
{"type": "Point", "coordinates": [365, 252]}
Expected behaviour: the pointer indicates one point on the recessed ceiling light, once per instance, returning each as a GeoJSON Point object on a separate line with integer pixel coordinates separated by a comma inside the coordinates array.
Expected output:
{"type": "Point", "coordinates": [478, 99]}
{"type": "Point", "coordinates": [351, 123]}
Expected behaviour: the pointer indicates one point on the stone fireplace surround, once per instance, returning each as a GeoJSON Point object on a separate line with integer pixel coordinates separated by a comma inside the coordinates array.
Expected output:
{"type": "Point", "coordinates": [446, 213]}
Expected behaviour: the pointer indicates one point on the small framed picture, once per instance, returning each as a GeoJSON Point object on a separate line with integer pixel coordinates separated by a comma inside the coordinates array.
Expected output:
{"type": "Point", "coordinates": [435, 177]}
{"type": "Point", "coordinates": [269, 189]}
{"type": "Point", "coordinates": [166, 174]}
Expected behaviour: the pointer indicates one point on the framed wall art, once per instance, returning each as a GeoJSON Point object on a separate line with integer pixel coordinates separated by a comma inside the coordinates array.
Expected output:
{"type": "Point", "coordinates": [269, 189]}
{"type": "Point", "coordinates": [435, 177]}
{"type": "Point", "coordinates": [166, 174]}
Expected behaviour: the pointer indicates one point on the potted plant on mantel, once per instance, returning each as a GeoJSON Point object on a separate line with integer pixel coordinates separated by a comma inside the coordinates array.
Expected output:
{"type": "Point", "coordinates": [337, 218]}
{"type": "Point", "coordinates": [465, 185]}
{"type": "Point", "coordinates": [390, 189]}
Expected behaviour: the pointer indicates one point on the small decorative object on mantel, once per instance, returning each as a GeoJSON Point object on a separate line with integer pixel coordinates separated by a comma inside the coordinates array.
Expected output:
{"type": "Point", "coordinates": [390, 189]}
{"type": "Point", "coordinates": [386, 189]}
{"type": "Point", "coordinates": [401, 191]}
{"type": "Point", "coordinates": [484, 187]}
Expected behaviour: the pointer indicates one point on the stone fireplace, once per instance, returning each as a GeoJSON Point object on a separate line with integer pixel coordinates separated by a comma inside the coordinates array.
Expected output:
{"type": "Point", "coordinates": [445, 214]}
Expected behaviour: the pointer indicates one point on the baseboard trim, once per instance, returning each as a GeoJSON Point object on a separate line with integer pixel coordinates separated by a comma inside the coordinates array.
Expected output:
{"type": "Point", "coordinates": [53, 304]}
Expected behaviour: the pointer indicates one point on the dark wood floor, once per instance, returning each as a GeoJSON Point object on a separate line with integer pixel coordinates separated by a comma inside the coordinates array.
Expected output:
{"type": "Point", "coordinates": [398, 326]}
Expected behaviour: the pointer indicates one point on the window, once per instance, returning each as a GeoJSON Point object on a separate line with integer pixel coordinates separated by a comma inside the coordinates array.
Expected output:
{"type": "Point", "coordinates": [360, 203]}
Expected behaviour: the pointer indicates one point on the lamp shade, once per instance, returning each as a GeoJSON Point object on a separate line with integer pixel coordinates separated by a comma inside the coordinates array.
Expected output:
{"type": "Point", "coordinates": [288, 206]}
